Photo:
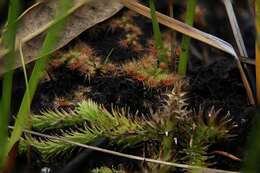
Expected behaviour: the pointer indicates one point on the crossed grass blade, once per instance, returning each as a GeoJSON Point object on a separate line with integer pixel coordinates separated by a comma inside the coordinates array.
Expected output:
{"type": "Point", "coordinates": [51, 39]}
{"type": "Point", "coordinates": [9, 42]}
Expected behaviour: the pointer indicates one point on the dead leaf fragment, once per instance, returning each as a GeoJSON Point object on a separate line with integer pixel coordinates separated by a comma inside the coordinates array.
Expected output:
{"type": "Point", "coordinates": [34, 23]}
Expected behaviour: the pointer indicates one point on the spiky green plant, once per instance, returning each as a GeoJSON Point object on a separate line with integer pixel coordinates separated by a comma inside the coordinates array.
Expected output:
{"type": "Point", "coordinates": [197, 131]}
{"type": "Point", "coordinates": [173, 112]}
{"type": "Point", "coordinates": [206, 129]}
{"type": "Point", "coordinates": [55, 120]}
{"type": "Point", "coordinates": [173, 123]}
{"type": "Point", "coordinates": [117, 126]}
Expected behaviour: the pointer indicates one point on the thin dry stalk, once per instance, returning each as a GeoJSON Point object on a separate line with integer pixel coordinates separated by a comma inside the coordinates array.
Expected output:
{"type": "Point", "coordinates": [238, 37]}
{"type": "Point", "coordinates": [235, 28]}
{"type": "Point", "coordinates": [251, 5]}
{"type": "Point", "coordinates": [133, 157]}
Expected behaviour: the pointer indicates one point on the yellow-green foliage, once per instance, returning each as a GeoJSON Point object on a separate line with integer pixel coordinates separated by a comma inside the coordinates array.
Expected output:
{"type": "Point", "coordinates": [117, 126]}
{"type": "Point", "coordinates": [173, 123]}
{"type": "Point", "coordinates": [205, 130]}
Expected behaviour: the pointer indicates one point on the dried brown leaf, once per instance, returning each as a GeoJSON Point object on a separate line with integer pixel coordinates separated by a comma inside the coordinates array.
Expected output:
{"type": "Point", "coordinates": [34, 23]}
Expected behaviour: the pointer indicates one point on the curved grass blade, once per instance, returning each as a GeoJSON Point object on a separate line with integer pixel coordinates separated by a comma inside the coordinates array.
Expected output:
{"type": "Point", "coordinates": [49, 42]}
{"type": "Point", "coordinates": [252, 157]}
{"type": "Point", "coordinates": [182, 28]}
{"type": "Point", "coordinates": [9, 43]}
{"type": "Point", "coordinates": [185, 44]}
{"type": "Point", "coordinates": [239, 39]}
{"type": "Point", "coordinates": [235, 28]}
{"type": "Point", "coordinates": [157, 34]}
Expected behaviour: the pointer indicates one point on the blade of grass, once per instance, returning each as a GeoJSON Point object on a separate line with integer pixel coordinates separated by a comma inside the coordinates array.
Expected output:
{"type": "Point", "coordinates": [235, 28]}
{"type": "Point", "coordinates": [49, 42]}
{"type": "Point", "coordinates": [27, 94]}
{"type": "Point", "coordinates": [196, 34]}
{"type": "Point", "coordinates": [257, 64]}
{"type": "Point", "coordinates": [157, 33]}
{"type": "Point", "coordinates": [9, 41]}
{"type": "Point", "coordinates": [251, 163]}
{"type": "Point", "coordinates": [239, 39]}
{"type": "Point", "coordinates": [185, 44]}
{"type": "Point", "coordinates": [248, 61]}
{"type": "Point", "coordinates": [182, 28]}
{"type": "Point", "coordinates": [25, 76]}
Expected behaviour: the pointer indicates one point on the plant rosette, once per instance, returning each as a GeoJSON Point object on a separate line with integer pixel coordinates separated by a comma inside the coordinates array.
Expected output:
{"type": "Point", "coordinates": [146, 70]}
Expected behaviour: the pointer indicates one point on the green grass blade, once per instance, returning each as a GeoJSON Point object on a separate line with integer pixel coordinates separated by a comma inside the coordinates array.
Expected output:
{"type": "Point", "coordinates": [253, 154]}
{"type": "Point", "coordinates": [157, 33]}
{"type": "Point", "coordinates": [184, 58]}
{"type": "Point", "coordinates": [49, 42]}
{"type": "Point", "coordinates": [9, 41]}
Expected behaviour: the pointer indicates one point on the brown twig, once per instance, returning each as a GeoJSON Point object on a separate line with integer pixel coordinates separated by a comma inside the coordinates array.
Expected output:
{"type": "Point", "coordinates": [228, 155]}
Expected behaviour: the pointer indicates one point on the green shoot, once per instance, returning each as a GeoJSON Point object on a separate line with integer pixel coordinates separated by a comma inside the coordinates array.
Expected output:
{"type": "Point", "coordinates": [157, 34]}
{"type": "Point", "coordinates": [9, 41]}
{"type": "Point", "coordinates": [253, 153]}
{"type": "Point", "coordinates": [184, 58]}
{"type": "Point", "coordinates": [49, 42]}
{"type": "Point", "coordinates": [115, 126]}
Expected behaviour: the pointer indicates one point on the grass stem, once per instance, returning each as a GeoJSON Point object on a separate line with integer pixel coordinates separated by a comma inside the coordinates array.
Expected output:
{"type": "Point", "coordinates": [184, 58]}
{"type": "Point", "coordinates": [157, 33]}
{"type": "Point", "coordinates": [9, 42]}
{"type": "Point", "coordinates": [49, 42]}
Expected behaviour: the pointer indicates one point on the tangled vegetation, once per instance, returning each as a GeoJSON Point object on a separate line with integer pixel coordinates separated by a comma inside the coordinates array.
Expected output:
{"type": "Point", "coordinates": [175, 133]}
{"type": "Point", "coordinates": [174, 126]}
